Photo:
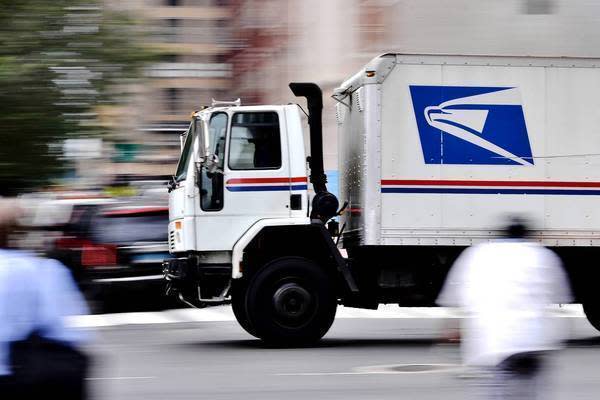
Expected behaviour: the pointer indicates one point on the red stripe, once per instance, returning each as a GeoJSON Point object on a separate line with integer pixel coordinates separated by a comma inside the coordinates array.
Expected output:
{"type": "Point", "coordinates": [420, 182]}
{"type": "Point", "coordinates": [267, 180]}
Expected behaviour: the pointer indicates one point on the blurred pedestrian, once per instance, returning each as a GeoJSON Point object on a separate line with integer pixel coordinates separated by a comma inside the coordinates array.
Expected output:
{"type": "Point", "coordinates": [505, 288]}
{"type": "Point", "coordinates": [39, 357]}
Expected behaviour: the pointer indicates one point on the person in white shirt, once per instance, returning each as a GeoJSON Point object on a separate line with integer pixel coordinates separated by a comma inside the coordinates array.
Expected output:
{"type": "Point", "coordinates": [505, 288]}
{"type": "Point", "coordinates": [36, 294]}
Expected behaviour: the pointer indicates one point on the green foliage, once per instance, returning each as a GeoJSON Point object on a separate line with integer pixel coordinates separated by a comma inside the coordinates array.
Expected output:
{"type": "Point", "coordinates": [59, 61]}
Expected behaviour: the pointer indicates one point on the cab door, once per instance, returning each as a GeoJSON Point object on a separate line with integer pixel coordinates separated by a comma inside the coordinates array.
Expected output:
{"type": "Point", "coordinates": [258, 184]}
{"type": "Point", "coordinates": [256, 174]}
{"type": "Point", "coordinates": [208, 193]}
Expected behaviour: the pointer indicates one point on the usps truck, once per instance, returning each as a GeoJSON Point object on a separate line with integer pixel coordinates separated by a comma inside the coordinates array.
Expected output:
{"type": "Point", "coordinates": [435, 153]}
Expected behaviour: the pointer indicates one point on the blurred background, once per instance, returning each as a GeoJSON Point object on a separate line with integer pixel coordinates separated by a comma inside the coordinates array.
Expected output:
{"type": "Point", "coordinates": [95, 94]}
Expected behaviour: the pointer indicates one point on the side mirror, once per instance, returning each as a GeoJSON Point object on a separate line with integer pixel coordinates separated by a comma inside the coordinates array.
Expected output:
{"type": "Point", "coordinates": [212, 164]}
{"type": "Point", "coordinates": [182, 138]}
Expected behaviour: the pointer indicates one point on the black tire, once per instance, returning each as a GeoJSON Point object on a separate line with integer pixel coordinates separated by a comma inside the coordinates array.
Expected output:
{"type": "Point", "coordinates": [239, 291]}
{"type": "Point", "coordinates": [592, 313]}
{"type": "Point", "coordinates": [291, 302]}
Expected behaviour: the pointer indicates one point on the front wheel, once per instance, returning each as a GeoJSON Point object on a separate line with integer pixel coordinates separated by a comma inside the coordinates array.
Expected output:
{"type": "Point", "coordinates": [291, 301]}
{"type": "Point", "coordinates": [238, 305]}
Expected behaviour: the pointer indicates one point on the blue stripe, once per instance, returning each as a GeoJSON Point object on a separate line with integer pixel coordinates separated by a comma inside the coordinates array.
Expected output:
{"type": "Point", "coordinates": [265, 188]}
{"type": "Point", "coordinates": [299, 187]}
{"type": "Point", "coordinates": [576, 192]}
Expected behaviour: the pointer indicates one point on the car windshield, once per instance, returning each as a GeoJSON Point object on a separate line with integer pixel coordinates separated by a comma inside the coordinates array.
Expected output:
{"type": "Point", "coordinates": [186, 153]}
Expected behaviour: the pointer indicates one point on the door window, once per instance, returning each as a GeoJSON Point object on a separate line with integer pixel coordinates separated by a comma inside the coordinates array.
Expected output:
{"type": "Point", "coordinates": [255, 142]}
{"type": "Point", "coordinates": [211, 183]}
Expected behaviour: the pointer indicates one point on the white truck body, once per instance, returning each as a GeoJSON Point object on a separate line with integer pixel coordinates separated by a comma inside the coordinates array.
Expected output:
{"type": "Point", "coordinates": [440, 150]}
{"type": "Point", "coordinates": [436, 153]}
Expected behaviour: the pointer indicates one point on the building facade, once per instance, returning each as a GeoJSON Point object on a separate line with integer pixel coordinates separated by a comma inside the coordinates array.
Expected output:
{"type": "Point", "coordinates": [252, 49]}
{"type": "Point", "coordinates": [328, 41]}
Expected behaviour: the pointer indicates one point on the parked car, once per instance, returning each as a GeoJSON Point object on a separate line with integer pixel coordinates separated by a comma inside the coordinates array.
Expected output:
{"type": "Point", "coordinates": [116, 251]}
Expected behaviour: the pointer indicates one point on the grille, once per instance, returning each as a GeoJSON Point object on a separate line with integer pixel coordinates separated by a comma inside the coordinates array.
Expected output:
{"type": "Point", "coordinates": [172, 240]}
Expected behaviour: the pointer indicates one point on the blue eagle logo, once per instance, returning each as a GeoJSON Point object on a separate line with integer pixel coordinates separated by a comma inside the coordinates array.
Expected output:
{"type": "Point", "coordinates": [471, 125]}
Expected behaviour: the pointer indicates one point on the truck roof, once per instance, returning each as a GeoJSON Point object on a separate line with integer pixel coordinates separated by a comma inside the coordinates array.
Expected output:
{"type": "Point", "coordinates": [377, 70]}
{"type": "Point", "coordinates": [276, 107]}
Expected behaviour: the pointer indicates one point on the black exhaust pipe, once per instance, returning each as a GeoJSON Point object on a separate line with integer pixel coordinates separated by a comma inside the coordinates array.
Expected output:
{"type": "Point", "coordinates": [314, 99]}
{"type": "Point", "coordinates": [325, 204]}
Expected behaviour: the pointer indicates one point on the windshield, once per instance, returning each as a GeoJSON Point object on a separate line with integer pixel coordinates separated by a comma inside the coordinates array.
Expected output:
{"type": "Point", "coordinates": [186, 153]}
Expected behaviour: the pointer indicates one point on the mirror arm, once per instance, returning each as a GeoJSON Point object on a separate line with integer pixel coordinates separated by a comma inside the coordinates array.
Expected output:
{"type": "Point", "coordinates": [198, 170]}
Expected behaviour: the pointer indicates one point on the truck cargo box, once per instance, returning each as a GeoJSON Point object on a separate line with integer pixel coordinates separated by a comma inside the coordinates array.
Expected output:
{"type": "Point", "coordinates": [440, 150]}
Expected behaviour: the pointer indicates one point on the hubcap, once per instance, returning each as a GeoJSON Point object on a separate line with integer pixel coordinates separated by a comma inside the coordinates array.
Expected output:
{"type": "Point", "coordinates": [292, 302]}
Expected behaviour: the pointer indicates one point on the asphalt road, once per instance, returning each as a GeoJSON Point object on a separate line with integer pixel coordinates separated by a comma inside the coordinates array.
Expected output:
{"type": "Point", "coordinates": [218, 360]}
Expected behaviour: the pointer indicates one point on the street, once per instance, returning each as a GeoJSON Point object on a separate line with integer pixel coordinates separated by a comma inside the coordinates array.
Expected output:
{"type": "Point", "coordinates": [203, 354]}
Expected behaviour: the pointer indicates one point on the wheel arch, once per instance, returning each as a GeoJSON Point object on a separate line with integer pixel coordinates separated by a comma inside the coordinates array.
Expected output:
{"type": "Point", "coordinates": [310, 241]}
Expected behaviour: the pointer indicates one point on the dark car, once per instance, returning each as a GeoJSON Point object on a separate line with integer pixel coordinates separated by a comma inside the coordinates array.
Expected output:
{"type": "Point", "coordinates": [116, 252]}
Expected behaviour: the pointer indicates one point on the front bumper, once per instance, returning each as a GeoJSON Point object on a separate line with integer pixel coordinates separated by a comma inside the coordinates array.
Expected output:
{"type": "Point", "coordinates": [198, 284]}
{"type": "Point", "coordinates": [178, 269]}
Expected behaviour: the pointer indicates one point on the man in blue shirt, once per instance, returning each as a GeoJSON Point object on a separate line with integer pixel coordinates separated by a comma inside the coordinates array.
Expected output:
{"type": "Point", "coordinates": [36, 294]}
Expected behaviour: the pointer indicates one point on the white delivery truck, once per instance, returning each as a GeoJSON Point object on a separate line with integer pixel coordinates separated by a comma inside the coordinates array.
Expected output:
{"type": "Point", "coordinates": [435, 153]}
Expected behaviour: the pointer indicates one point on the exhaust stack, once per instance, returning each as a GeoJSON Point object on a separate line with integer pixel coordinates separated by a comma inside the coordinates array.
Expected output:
{"type": "Point", "coordinates": [324, 204]}
{"type": "Point", "coordinates": [314, 99]}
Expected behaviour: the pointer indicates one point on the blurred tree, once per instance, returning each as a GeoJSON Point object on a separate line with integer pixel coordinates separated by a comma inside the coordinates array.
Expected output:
{"type": "Point", "coordinates": [60, 62]}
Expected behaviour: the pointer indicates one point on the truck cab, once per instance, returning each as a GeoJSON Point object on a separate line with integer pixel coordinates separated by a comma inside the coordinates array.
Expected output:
{"type": "Point", "coordinates": [239, 165]}
{"type": "Point", "coordinates": [242, 228]}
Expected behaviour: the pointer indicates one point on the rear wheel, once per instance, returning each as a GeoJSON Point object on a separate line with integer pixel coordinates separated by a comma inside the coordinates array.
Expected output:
{"type": "Point", "coordinates": [592, 313]}
{"type": "Point", "coordinates": [291, 301]}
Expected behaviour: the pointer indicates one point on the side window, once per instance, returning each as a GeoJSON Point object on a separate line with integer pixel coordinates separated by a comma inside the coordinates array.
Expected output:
{"type": "Point", "coordinates": [211, 191]}
{"type": "Point", "coordinates": [255, 142]}
{"type": "Point", "coordinates": [217, 131]}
